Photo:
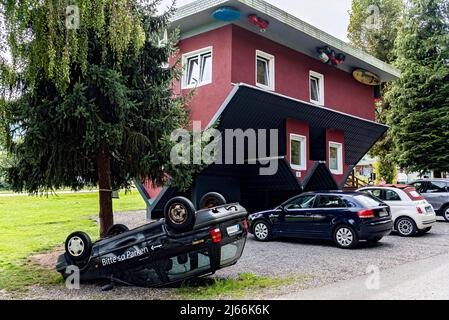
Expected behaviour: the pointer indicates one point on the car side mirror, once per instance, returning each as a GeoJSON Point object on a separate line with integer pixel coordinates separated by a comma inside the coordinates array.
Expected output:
{"type": "Point", "coordinates": [280, 208]}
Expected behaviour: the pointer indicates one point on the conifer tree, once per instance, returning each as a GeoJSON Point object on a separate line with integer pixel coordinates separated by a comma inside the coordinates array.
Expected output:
{"type": "Point", "coordinates": [88, 101]}
{"type": "Point", "coordinates": [419, 114]}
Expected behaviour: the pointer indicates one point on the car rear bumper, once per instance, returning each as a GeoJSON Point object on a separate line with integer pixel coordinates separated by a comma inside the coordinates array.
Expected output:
{"type": "Point", "coordinates": [426, 221]}
{"type": "Point", "coordinates": [370, 230]}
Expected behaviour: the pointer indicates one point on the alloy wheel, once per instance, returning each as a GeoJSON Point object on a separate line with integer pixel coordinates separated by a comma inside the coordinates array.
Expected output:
{"type": "Point", "coordinates": [344, 237]}
{"type": "Point", "coordinates": [76, 246]}
{"type": "Point", "coordinates": [261, 231]}
{"type": "Point", "coordinates": [178, 213]}
{"type": "Point", "coordinates": [405, 227]}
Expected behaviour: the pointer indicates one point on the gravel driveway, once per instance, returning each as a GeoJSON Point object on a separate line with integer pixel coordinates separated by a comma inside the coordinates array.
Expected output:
{"type": "Point", "coordinates": [320, 260]}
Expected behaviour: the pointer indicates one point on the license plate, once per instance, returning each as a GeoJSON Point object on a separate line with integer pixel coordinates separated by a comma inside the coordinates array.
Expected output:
{"type": "Point", "coordinates": [383, 213]}
{"type": "Point", "coordinates": [233, 230]}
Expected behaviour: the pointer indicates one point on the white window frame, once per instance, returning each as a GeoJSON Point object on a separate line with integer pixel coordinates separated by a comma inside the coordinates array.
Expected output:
{"type": "Point", "coordinates": [339, 147]}
{"type": "Point", "coordinates": [303, 152]}
{"type": "Point", "coordinates": [185, 59]}
{"type": "Point", "coordinates": [320, 78]}
{"type": "Point", "coordinates": [271, 70]}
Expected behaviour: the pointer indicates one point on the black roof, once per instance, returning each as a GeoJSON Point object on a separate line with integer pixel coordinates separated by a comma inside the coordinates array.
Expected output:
{"type": "Point", "coordinates": [253, 108]}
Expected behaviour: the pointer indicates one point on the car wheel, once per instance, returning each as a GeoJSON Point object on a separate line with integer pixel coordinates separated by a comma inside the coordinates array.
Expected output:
{"type": "Point", "coordinates": [179, 214]}
{"type": "Point", "coordinates": [446, 213]}
{"type": "Point", "coordinates": [262, 231]}
{"type": "Point", "coordinates": [116, 229]}
{"type": "Point", "coordinates": [78, 246]}
{"type": "Point", "coordinates": [212, 200]}
{"type": "Point", "coordinates": [375, 240]}
{"type": "Point", "coordinates": [426, 230]}
{"type": "Point", "coordinates": [345, 237]}
{"type": "Point", "coordinates": [406, 227]}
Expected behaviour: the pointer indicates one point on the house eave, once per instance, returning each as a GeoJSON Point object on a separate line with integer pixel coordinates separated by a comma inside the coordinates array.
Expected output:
{"type": "Point", "coordinates": [196, 18]}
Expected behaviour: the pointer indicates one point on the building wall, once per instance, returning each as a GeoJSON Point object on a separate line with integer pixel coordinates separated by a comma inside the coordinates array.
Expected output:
{"type": "Point", "coordinates": [234, 54]}
{"type": "Point", "coordinates": [342, 92]}
{"type": "Point", "coordinates": [208, 98]}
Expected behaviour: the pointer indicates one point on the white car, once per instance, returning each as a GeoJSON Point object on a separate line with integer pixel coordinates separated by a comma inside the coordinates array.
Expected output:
{"type": "Point", "coordinates": [411, 213]}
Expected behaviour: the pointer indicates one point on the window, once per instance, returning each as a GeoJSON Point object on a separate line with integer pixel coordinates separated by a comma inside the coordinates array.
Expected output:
{"type": "Point", "coordinates": [420, 186]}
{"type": "Point", "coordinates": [298, 152]}
{"type": "Point", "coordinates": [436, 187]}
{"type": "Point", "coordinates": [336, 157]}
{"type": "Point", "coordinates": [390, 195]}
{"type": "Point", "coordinates": [326, 202]}
{"type": "Point", "coordinates": [197, 68]}
{"type": "Point", "coordinates": [368, 201]}
{"type": "Point", "coordinates": [375, 192]}
{"type": "Point", "coordinates": [305, 202]}
{"type": "Point", "coordinates": [316, 88]}
{"type": "Point", "coordinates": [264, 70]}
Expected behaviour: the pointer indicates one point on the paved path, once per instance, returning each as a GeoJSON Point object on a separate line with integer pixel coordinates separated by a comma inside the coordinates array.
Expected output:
{"type": "Point", "coordinates": [426, 279]}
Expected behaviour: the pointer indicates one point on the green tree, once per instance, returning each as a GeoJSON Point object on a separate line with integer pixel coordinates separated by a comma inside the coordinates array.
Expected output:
{"type": "Point", "coordinates": [90, 99]}
{"type": "Point", "coordinates": [373, 27]}
{"type": "Point", "coordinates": [419, 114]}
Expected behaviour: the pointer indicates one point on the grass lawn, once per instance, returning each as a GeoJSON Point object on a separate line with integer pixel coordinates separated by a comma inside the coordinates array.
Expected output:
{"type": "Point", "coordinates": [30, 225]}
{"type": "Point", "coordinates": [245, 284]}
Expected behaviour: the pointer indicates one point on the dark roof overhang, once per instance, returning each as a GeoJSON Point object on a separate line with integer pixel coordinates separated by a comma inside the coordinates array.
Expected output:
{"type": "Point", "coordinates": [249, 107]}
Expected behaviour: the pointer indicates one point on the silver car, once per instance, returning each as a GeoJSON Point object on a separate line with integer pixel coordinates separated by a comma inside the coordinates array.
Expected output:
{"type": "Point", "coordinates": [436, 192]}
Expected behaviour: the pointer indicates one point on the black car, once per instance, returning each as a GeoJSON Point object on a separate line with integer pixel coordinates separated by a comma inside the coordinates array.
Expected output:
{"type": "Point", "coordinates": [184, 245]}
{"type": "Point", "coordinates": [346, 218]}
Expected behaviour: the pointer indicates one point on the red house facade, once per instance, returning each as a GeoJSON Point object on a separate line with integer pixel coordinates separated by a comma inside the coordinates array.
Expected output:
{"type": "Point", "coordinates": [256, 67]}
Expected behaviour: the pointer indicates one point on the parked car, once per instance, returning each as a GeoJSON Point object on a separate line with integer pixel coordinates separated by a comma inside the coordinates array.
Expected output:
{"type": "Point", "coordinates": [411, 213]}
{"type": "Point", "coordinates": [344, 217]}
{"type": "Point", "coordinates": [436, 192]}
{"type": "Point", "coordinates": [184, 245]}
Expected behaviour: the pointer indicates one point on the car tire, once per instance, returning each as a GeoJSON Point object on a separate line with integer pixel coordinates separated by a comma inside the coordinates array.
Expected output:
{"type": "Point", "coordinates": [375, 240]}
{"type": "Point", "coordinates": [446, 213]}
{"type": "Point", "coordinates": [345, 237]}
{"type": "Point", "coordinates": [78, 246]}
{"type": "Point", "coordinates": [262, 231]}
{"type": "Point", "coordinates": [179, 214]}
{"type": "Point", "coordinates": [212, 200]}
{"type": "Point", "coordinates": [116, 230]}
{"type": "Point", "coordinates": [406, 227]}
{"type": "Point", "coordinates": [424, 231]}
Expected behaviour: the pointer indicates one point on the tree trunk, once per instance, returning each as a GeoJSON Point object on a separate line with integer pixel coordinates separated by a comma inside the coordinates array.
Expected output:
{"type": "Point", "coordinates": [437, 174]}
{"type": "Point", "coordinates": [104, 183]}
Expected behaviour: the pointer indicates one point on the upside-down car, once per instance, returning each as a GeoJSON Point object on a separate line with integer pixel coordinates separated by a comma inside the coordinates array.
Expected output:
{"type": "Point", "coordinates": [186, 244]}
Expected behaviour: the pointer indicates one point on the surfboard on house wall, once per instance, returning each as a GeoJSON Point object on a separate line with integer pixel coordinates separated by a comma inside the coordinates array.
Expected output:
{"type": "Point", "coordinates": [366, 77]}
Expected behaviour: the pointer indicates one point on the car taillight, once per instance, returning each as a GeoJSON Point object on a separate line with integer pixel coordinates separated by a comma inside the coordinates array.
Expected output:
{"type": "Point", "coordinates": [419, 210]}
{"type": "Point", "coordinates": [245, 224]}
{"type": "Point", "coordinates": [216, 235]}
{"type": "Point", "coordinates": [365, 214]}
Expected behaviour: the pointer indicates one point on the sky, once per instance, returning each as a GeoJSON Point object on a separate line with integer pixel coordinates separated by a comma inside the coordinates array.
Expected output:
{"type": "Point", "coordinates": [330, 16]}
